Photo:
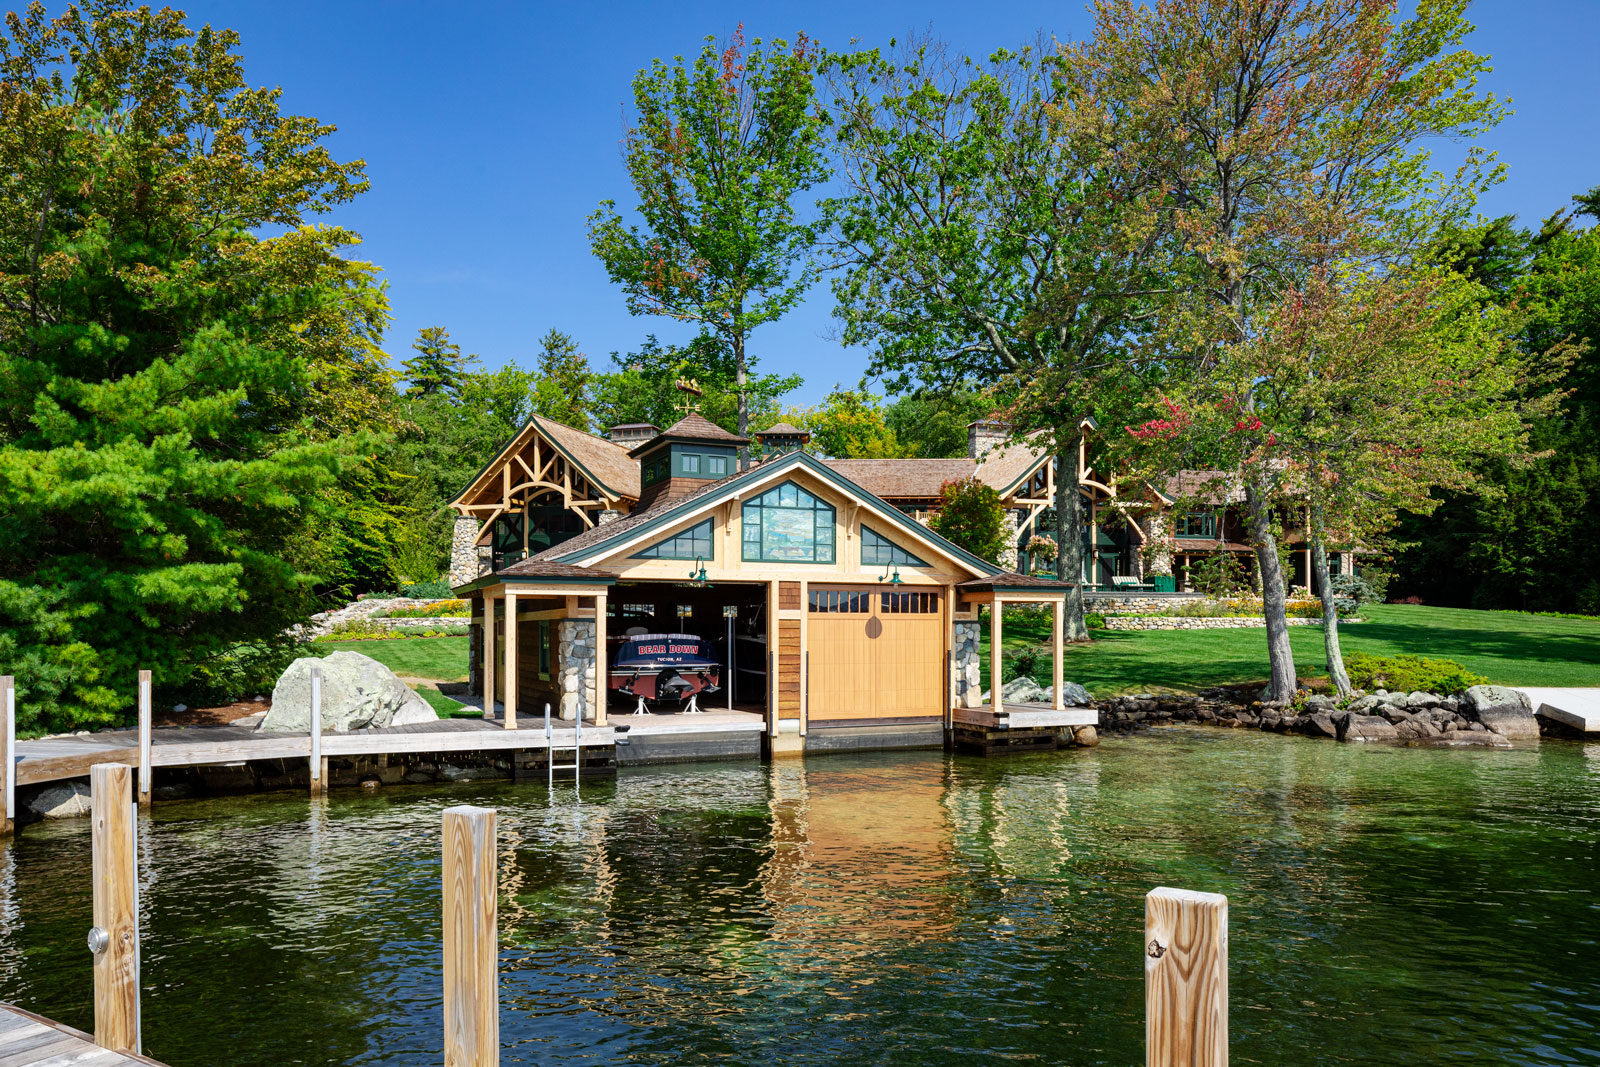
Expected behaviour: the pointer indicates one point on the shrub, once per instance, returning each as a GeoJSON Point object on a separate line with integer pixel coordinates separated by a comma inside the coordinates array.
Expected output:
{"type": "Point", "coordinates": [1027, 660]}
{"type": "Point", "coordinates": [1409, 673]}
{"type": "Point", "coordinates": [366, 630]}
{"type": "Point", "coordinates": [972, 516]}
{"type": "Point", "coordinates": [1041, 548]}
{"type": "Point", "coordinates": [1354, 588]}
{"type": "Point", "coordinates": [237, 674]}
{"type": "Point", "coordinates": [1094, 620]}
{"type": "Point", "coordinates": [1218, 575]}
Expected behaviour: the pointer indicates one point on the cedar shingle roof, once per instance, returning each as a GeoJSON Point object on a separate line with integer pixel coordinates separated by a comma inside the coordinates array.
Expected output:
{"type": "Point", "coordinates": [637, 517]}
{"type": "Point", "coordinates": [782, 429]}
{"type": "Point", "coordinates": [607, 461]}
{"type": "Point", "coordinates": [533, 567]}
{"type": "Point", "coordinates": [692, 427]}
{"type": "Point", "coordinates": [1203, 487]}
{"type": "Point", "coordinates": [1013, 580]}
{"type": "Point", "coordinates": [903, 479]}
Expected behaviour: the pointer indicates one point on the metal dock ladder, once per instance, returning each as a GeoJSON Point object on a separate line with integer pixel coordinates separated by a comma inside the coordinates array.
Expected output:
{"type": "Point", "coordinates": [576, 748]}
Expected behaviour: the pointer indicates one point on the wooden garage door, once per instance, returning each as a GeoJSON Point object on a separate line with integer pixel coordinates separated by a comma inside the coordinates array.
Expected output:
{"type": "Point", "coordinates": [876, 655]}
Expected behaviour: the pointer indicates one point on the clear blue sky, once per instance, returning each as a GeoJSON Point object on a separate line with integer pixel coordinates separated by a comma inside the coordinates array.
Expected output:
{"type": "Point", "coordinates": [490, 132]}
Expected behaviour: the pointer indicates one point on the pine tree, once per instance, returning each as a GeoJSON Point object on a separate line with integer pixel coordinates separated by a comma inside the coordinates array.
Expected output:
{"type": "Point", "coordinates": [561, 391]}
{"type": "Point", "coordinates": [438, 368]}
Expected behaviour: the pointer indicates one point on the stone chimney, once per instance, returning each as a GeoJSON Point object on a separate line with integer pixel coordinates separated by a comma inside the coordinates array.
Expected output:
{"type": "Point", "coordinates": [464, 550]}
{"type": "Point", "coordinates": [985, 435]}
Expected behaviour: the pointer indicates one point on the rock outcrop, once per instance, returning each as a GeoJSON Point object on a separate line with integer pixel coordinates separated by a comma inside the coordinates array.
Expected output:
{"type": "Point", "coordinates": [357, 692]}
{"type": "Point", "coordinates": [1505, 711]}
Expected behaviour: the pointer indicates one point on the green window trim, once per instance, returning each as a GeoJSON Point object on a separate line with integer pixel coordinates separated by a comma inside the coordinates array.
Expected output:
{"type": "Point", "coordinates": [1197, 525]}
{"type": "Point", "coordinates": [878, 551]}
{"type": "Point", "coordinates": [693, 543]}
{"type": "Point", "coordinates": [787, 524]}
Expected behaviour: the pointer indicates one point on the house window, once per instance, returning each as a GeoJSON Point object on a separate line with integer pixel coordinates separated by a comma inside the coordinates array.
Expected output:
{"type": "Point", "coordinates": [693, 543]}
{"type": "Point", "coordinates": [788, 525]}
{"type": "Point", "coordinates": [544, 651]}
{"type": "Point", "coordinates": [717, 465]}
{"type": "Point", "coordinates": [839, 602]}
{"type": "Point", "coordinates": [691, 464]}
{"type": "Point", "coordinates": [879, 551]}
{"type": "Point", "coordinates": [908, 603]}
{"type": "Point", "coordinates": [1196, 524]}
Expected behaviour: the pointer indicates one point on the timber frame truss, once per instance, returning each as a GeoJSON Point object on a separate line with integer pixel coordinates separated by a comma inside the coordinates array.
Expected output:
{"type": "Point", "coordinates": [1037, 490]}
{"type": "Point", "coordinates": [534, 470]}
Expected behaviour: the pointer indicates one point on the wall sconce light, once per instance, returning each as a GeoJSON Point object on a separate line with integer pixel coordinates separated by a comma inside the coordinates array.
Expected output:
{"type": "Point", "coordinates": [884, 577]}
{"type": "Point", "coordinates": [697, 577]}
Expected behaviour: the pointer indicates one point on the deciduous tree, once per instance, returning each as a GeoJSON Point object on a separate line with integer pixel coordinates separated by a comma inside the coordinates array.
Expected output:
{"type": "Point", "coordinates": [720, 151]}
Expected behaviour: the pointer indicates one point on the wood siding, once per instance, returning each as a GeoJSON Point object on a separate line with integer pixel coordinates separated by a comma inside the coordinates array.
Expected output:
{"type": "Point", "coordinates": [789, 668]}
{"type": "Point", "coordinates": [788, 596]}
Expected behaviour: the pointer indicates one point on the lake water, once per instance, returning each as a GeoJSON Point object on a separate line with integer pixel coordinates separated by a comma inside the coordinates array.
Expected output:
{"type": "Point", "coordinates": [1389, 906]}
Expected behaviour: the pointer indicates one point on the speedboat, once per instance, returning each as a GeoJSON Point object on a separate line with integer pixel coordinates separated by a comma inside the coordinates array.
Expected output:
{"type": "Point", "coordinates": [665, 667]}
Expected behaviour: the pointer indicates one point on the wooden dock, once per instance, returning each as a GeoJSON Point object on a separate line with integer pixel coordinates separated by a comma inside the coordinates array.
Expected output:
{"type": "Point", "coordinates": [29, 1040]}
{"type": "Point", "coordinates": [56, 758]}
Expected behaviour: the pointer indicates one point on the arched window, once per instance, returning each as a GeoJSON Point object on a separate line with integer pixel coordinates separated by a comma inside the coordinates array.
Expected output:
{"type": "Point", "coordinates": [788, 525]}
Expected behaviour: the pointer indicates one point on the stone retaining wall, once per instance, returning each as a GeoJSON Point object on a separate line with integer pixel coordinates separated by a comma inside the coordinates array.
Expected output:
{"type": "Point", "coordinates": [1200, 622]}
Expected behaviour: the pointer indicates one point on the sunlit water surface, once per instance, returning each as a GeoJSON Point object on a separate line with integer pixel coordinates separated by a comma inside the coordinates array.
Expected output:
{"type": "Point", "coordinates": [1389, 906]}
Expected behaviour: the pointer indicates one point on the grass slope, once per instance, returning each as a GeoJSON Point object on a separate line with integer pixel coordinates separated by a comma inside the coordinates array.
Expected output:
{"type": "Point", "coordinates": [1505, 647]}
{"type": "Point", "coordinates": [441, 659]}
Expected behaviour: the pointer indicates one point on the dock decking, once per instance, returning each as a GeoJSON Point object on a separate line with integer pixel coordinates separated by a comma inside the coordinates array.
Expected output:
{"type": "Point", "coordinates": [29, 1040]}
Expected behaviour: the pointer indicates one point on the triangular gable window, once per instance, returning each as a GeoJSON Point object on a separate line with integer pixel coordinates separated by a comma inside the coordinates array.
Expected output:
{"type": "Point", "coordinates": [879, 551]}
{"type": "Point", "coordinates": [693, 543]}
{"type": "Point", "coordinates": [787, 525]}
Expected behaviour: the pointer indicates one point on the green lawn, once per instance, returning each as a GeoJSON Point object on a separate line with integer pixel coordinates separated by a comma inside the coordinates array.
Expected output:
{"type": "Point", "coordinates": [445, 706]}
{"type": "Point", "coordinates": [440, 659]}
{"type": "Point", "coordinates": [1506, 648]}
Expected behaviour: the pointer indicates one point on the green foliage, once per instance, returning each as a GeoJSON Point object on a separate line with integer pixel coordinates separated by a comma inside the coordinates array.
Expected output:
{"type": "Point", "coordinates": [848, 424]}
{"type": "Point", "coordinates": [721, 148]}
{"type": "Point", "coordinates": [236, 673]}
{"type": "Point", "coordinates": [367, 630]}
{"type": "Point", "coordinates": [178, 347]}
{"type": "Point", "coordinates": [1220, 574]}
{"type": "Point", "coordinates": [932, 424]}
{"type": "Point", "coordinates": [1094, 620]}
{"type": "Point", "coordinates": [1027, 661]}
{"type": "Point", "coordinates": [438, 368]}
{"type": "Point", "coordinates": [443, 609]}
{"type": "Point", "coordinates": [643, 387]}
{"type": "Point", "coordinates": [428, 591]}
{"type": "Point", "coordinates": [561, 391]}
{"type": "Point", "coordinates": [1355, 589]}
{"type": "Point", "coordinates": [971, 515]}
{"type": "Point", "coordinates": [1410, 674]}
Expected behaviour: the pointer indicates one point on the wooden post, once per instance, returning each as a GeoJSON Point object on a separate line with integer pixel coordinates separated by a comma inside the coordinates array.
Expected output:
{"type": "Point", "coordinates": [488, 656]}
{"type": "Point", "coordinates": [1056, 653]}
{"type": "Point", "coordinates": [114, 940]}
{"type": "Point", "coordinates": [511, 664]}
{"type": "Point", "coordinates": [319, 772]}
{"type": "Point", "coordinates": [471, 954]}
{"type": "Point", "coordinates": [996, 656]}
{"type": "Point", "coordinates": [8, 755]}
{"type": "Point", "coordinates": [600, 659]}
{"type": "Point", "coordinates": [144, 739]}
{"type": "Point", "coordinates": [1185, 978]}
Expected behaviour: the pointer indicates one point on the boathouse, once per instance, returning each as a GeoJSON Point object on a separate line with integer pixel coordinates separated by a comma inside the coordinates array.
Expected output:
{"type": "Point", "coordinates": [838, 619]}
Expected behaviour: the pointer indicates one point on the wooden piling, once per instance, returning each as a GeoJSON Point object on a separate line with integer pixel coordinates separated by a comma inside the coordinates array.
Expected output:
{"type": "Point", "coordinates": [1185, 978]}
{"type": "Point", "coordinates": [8, 755]}
{"type": "Point", "coordinates": [319, 768]}
{"type": "Point", "coordinates": [144, 738]}
{"type": "Point", "coordinates": [115, 937]}
{"type": "Point", "coordinates": [471, 951]}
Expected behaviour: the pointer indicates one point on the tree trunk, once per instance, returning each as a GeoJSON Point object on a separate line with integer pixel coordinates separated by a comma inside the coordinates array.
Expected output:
{"type": "Point", "coordinates": [1330, 611]}
{"type": "Point", "coordinates": [1274, 597]}
{"type": "Point", "coordinates": [740, 378]}
{"type": "Point", "coordinates": [1069, 543]}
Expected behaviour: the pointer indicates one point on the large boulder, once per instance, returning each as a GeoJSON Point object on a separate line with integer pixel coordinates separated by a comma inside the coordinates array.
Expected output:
{"type": "Point", "coordinates": [357, 692]}
{"type": "Point", "coordinates": [1354, 727]}
{"type": "Point", "coordinates": [1074, 695]}
{"type": "Point", "coordinates": [1505, 711]}
{"type": "Point", "coordinates": [1024, 691]}
{"type": "Point", "coordinates": [66, 800]}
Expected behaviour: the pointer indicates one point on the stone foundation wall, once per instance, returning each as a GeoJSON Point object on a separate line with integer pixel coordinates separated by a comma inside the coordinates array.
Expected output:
{"type": "Point", "coordinates": [1136, 601]}
{"type": "Point", "coordinates": [576, 662]}
{"type": "Point", "coordinates": [966, 682]}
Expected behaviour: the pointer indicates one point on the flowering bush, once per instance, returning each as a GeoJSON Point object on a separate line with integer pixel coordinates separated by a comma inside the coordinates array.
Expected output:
{"type": "Point", "coordinates": [1041, 548]}
{"type": "Point", "coordinates": [443, 609]}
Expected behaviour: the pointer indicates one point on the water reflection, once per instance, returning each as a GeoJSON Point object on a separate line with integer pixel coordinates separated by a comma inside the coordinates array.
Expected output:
{"type": "Point", "coordinates": [1390, 906]}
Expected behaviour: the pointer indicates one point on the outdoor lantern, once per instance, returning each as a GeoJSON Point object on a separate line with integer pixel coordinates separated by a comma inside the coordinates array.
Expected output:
{"type": "Point", "coordinates": [884, 577]}
{"type": "Point", "coordinates": [698, 576]}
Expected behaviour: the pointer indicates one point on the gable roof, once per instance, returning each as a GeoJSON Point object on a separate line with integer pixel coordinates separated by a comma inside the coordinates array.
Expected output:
{"type": "Point", "coordinates": [603, 462]}
{"type": "Point", "coordinates": [592, 543]}
{"type": "Point", "coordinates": [1002, 469]}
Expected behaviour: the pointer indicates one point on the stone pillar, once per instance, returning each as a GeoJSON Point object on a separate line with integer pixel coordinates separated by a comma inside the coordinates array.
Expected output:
{"type": "Point", "coordinates": [464, 550]}
{"type": "Point", "coordinates": [1157, 543]}
{"type": "Point", "coordinates": [1008, 555]}
{"type": "Point", "coordinates": [967, 685]}
{"type": "Point", "coordinates": [575, 651]}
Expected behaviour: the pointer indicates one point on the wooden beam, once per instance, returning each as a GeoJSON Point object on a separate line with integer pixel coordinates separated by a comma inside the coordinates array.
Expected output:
{"type": "Point", "coordinates": [488, 657]}
{"type": "Point", "coordinates": [8, 754]}
{"type": "Point", "coordinates": [600, 660]}
{"type": "Point", "coordinates": [1056, 653]}
{"type": "Point", "coordinates": [319, 770]}
{"type": "Point", "coordinates": [511, 664]}
{"type": "Point", "coordinates": [144, 738]}
{"type": "Point", "coordinates": [1185, 978]}
{"type": "Point", "coordinates": [996, 655]}
{"type": "Point", "coordinates": [115, 937]}
{"type": "Point", "coordinates": [471, 950]}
